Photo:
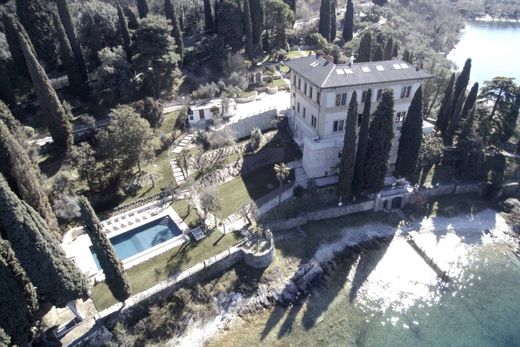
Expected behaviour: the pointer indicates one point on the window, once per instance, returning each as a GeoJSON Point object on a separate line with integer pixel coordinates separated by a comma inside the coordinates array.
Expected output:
{"type": "Point", "coordinates": [294, 94]}
{"type": "Point", "coordinates": [359, 119]}
{"type": "Point", "coordinates": [338, 125]}
{"type": "Point", "coordinates": [298, 108]}
{"type": "Point", "coordinates": [304, 112]}
{"type": "Point", "coordinates": [201, 114]}
{"type": "Point", "coordinates": [399, 117]}
{"type": "Point", "coordinates": [364, 96]}
{"type": "Point", "coordinates": [379, 94]}
{"type": "Point", "coordinates": [341, 99]}
{"type": "Point", "coordinates": [340, 154]}
{"type": "Point", "coordinates": [294, 80]}
{"type": "Point", "coordinates": [305, 88]}
{"type": "Point", "coordinates": [313, 121]}
{"type": "Point", "coordinates": [405, 92]}
{"type": "Point", "coordinates": [318, 96]}
{"type": "Point", "coordinates": [310, 92]}
{"type": "Point", "coordinates": [191, 117]}
{"type": "Point", "coordinates": [299, 83]}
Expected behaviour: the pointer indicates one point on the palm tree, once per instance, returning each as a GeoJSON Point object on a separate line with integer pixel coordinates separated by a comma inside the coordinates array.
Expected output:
{"type": "Point", "coordinates": [282, 171]}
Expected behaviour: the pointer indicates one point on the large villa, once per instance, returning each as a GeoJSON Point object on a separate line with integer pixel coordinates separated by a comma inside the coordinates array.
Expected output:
{"type": "Point", "coordinates": [321, 92]}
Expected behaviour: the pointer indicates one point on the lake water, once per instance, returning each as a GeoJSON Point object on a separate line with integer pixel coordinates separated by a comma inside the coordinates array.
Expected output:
{"type": "Point", "coordinates": [494, 48]}
{"type": "Point", "coordinates": [391, 297]}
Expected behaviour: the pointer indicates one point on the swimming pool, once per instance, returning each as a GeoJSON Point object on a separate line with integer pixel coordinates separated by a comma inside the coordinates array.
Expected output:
{"type": "Point", "coordinates": [142, 238]}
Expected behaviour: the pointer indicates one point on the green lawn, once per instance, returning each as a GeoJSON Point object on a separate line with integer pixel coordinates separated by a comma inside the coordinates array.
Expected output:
{"type": "Point", "coordinates": [280, 83]}
{"type": "Point", "coordinates": [188, 214]}
{"type": "Point", "coordinates": [151, 272]}
{"type": "Point", "coordinates": [284, 68]}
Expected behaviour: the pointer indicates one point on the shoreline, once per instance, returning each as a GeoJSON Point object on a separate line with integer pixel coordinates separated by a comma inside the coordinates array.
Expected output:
{"type": "Point", "coordinates": [490, 19]}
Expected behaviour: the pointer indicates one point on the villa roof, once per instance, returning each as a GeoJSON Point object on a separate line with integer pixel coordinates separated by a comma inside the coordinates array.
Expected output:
{"type": "Point", "coordinates": [329, 75]}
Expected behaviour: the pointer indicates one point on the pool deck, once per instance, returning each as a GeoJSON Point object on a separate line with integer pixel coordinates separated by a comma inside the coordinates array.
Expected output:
{"type": "Point", "coordinates": [76, 242]}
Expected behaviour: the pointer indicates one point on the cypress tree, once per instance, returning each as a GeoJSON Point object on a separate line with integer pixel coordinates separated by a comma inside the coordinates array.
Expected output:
{"type": "Point", "coordinates": [361, 153]}
{"type": "Point", "coordinates": [169, 11]}
{"type": "Point", "coordinates": [68, 25]}
{"type": "Point", "coordinates": [37, 21]}
{"type": "Point", "coordinates": [125, 33]}
{"type": "Point", "coordinates": [142, 8]}
{"type": "Point", "coordinates": [454, 121]}
{"type": "Point", "coordinates": [380, 136]}
{"type": "Point", "coordinates": [115, 276]}
{"type": "Point", "coordinates": [469, 146]}
{"type": "Point", "coordinates": [462, 83]}
{"type": "Point", "coordinates": [257, 20]}
{"type": "Point", "coordinates": [76, 81]}
{"type": "Point", "coordinates": [57, 280]}
{"type": "Point", "coordinates": [348, 22]}
{"type": "Point", "coordinates": [333, 28]}
{"type": "Point", "coordinates": [408, 57]}
{"type": "Point", "coordinates": [133, 22]}
{"type": "Point", "coordinates": [216, 9]}
{"type": "Point", "coordinates": [248, 26]}
{"type": "Point", "coordinates": [378, 54]}
{"type": "Point", "coordinates": [469, 104]}
{"type": "Point", "coordinates": [443, 117]}
{"type": "Point", "coordinates": [11, 35]}
{"type": "Point", "coordinates": [389, 49]}
{"type": "Point", "coordinates": [56, 116]}
{"type": "Point", "coordinates": [208, 17]}
{"type": "Point", "coordinates": [348, 158]}
{"type": "Point", "coordinates": [395, 52]}
{"type": "Point", "coordinates": [19, 170]}
{"type": "Point", "coordinates": [6, 86]}
{"type": "Point", "coordinates": [18, 297]}
{"type": "Point", "coordinates": [365, 48]}
{"type": "Point", "coordinates": [325, 17]}
{"type": "Point", "coordinates": [410, 140]}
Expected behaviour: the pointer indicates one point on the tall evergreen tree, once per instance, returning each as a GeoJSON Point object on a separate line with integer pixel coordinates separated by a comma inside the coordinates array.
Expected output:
{"type": "Point", "coordinates": [395, 52]}
{"type": "Point", "coordinates": [248, 26]}
{"type": "Point", "coordinates": [56, 116]}
{"type": "Point", "coordinates": [169, 11]}
{"type": "Point", "coordinates": [19, 171]}
{"type": "Point", "coordinates": [133, 22]}
{"type": "Point", "coordinates": [470, 147]}
{"type": "Point", "coordinates": [6, 86]}
{"type": "Point", "coordinates": [389, 49]}
{"type": "Point", "coordinates": [11, 35]}
{"type": "Point", "coordinates": [208, 17]}
{"type": "Point", "coordinates": [348, 22]}
{"type": "Point", "coordinates": [348, 157]}
{"type": "Point", "coordinates": [443, 117]}
{"type": "Point", "coordinates": [257, 20]}
{"type": "Point", "coordinates": [333, 20]}
{"type": "Point", "coordinates": [56, 278]}
{"type": "Point", "coordinates": [408, 56]}
{"type": "Point", "coordinates": [469, 104]}
{"type": "Point", "coordinates": [66, 20]}
{"type": "Point", "coordinates": [378, 54]}
{"type": "Point", "coordinates": [361, 152]}
{"type": "Point", "coordinates": [37, 20]}
{"type": "Point", "coordinates": [325, 17]}
{"type": "Point", "coordinates": [142, 8]}
{"type": "Point", "coordinates": [115, 276]}
{"type": "Point", "coordinates": [230, 23]}
{"type": "Point", "coordinates": [18, 297]}
{"type": "Point", "coordinates": [454, 124]}
{"type": "Point", "coordinates": [76, 81]}
{"type": "Point", "coordinates": [410, 140]}
{"type": "Point", "coordinates": [380, 135]}
{"type": "Point", "coordinates": [365, 48]}
{"type": "Point", "coordinates": [125, 33]}
{"type": "Point", "coordinates": [461, 84]}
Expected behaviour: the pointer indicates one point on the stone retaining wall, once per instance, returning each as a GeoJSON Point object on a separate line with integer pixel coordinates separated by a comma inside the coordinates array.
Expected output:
{"type": "Point", "coordinates": [242, 127]}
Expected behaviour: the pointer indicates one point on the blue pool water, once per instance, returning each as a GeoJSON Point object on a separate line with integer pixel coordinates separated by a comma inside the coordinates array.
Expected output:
{"type": "Point", "coordinates": [142, 238]}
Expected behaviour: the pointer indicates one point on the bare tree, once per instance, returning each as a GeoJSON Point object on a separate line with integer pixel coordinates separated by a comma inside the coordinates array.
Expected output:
{"type": "Point", "coordinates": [282, 172]}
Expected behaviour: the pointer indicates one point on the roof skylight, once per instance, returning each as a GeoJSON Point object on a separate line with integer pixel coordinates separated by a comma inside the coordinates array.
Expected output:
{"type": "Point", "coordinates": [365, 69]}
{"type": "Point", "coordinates": [397, 66]}
{"type": "Point", "coordinates": [380, 68]}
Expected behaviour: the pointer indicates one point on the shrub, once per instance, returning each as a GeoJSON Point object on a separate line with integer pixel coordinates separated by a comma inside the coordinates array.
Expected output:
{"type": "Point", "coordinates": [298, 191]}
{"type": "Point", "coordinates": [206, 91]}
{"type": "Point", "coordinates": [256, 140]}
{"type": "Point", "coordinates": [66, 207]}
